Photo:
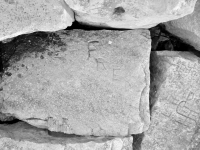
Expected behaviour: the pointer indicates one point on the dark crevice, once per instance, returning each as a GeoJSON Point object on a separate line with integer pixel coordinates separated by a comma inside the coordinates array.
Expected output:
{"type": "Point", "coordinates": [164, 40]}
{"type": "Point", "coordinates": [156, 79]}
{"type": "Point", "coordinates": [85, 26]}
{"type": "Point", "coordinates": [10, 120]}
{"type": "Point", "coordinates": [61, 134]}
{"type": "Point", "coordinates": [137, 141]}
{"type": "Point", "coordinates": [1, 62]}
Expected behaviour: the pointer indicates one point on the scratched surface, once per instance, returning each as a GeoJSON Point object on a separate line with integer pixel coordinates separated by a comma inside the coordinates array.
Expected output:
{"type": "Point", "coordinates": [25, 137]}
{"type": "Point", "coordinates": [175, 117]}
{"type": "Point", "coordinates": [95, 83]}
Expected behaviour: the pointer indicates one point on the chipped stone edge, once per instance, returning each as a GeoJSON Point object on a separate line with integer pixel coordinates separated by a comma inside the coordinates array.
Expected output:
{"type": "Point", "coordinates": [144, 112]}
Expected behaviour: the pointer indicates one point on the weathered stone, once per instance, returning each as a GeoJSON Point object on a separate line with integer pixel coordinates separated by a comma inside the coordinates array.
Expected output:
{"type": "Point", "coordinates": [90, 83]}
{"type": "Point", "coordinates": [5, 118]}
{"type": "Point", "coordinates": [25, 137]}
{"type": "Point", "coordinates": [175, 123]}
{"type": "Point", "coordinates": [187, 28]}
{"type": "Point", "coordinates": [129, 14]}
{"type": "Point", "coordinates": [26, 16]}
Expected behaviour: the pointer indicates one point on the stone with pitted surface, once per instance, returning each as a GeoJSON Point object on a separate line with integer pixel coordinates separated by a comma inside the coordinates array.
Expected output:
{"type": "Point", "coordinates": [25, 137]}
{"type": "Point", "coordinates": [175, 123]}
{"type": "Point", "coordinates": [26, 16]}
{"type": "Point", "coordinates": [129, 14]}
{"type": "Point", "coordinates": [84, 83]}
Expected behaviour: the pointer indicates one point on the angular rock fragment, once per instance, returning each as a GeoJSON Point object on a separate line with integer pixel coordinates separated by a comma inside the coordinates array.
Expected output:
{"type": "Point", "coordinates": [86, 83]}
{"type": "Point", "coordinates": [187, 28]}
{"type": "Point", "coordinates": [26, 16]}
{"type": "Point", "coordinates": [175, 115]}
{"type": "Point", "coordinates": [129, 14]}
{"type": "Point", "coordinates": [24, 137]}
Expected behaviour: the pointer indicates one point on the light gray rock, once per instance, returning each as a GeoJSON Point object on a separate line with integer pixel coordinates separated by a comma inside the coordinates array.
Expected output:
{"type": "Point", "coordinates": [175, 116]}
{"type": "Point", "coordinates": [187, 28]}
{"type": "Point", "coordinates": [26, 16]}
{"type": "Point", "coordinates": [25, 137]}
{"type": "Point", "coordinates": [89, 83]}
{"type": "Point", "coordinates": [129, 14]}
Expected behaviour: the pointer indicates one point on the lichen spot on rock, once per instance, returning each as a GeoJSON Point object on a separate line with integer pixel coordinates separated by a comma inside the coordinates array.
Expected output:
{"type": "Point", "coordinates": [119, 10]}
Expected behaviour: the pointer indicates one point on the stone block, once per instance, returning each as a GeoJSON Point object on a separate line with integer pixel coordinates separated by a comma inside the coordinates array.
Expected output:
{"type": "Point", "coordinates": [25, 137]}
{"type": "Point", "coordinates": [129, 14]}
{"type": "Point", "coordinates": [27, 16]}
{"type": "Point", "coordinates": [88, 83]}
{"type": "Point", "coordinates": [175, 115]}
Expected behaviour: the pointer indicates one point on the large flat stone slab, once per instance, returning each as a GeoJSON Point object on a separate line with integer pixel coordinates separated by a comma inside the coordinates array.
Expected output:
{"type": "Point", "coordinates": [129, 14]}
{"type": "Point", "coordinates": [84, 82]}
{"type": "Point", "coordinates": [187, 28]}
{"type": "Point", "coordinates": [25, 137]}
{"type": "Point", "coordinates": [175, 116]}
{"type": "Point", "coordinates": [26, 16]}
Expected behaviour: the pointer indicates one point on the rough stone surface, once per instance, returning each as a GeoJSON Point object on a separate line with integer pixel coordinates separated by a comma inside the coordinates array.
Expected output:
{"type": "Point", "coordinates": [26, 16]}
{"type": "Point", "coordinates": [187, 28]}
{"type": "Point", "coordinates": [130, 14]}
{"type": "Point", "coordinates": [89, 83]}
{"type": "Point", "coordinates": [175, 116]}
{"type": "Point", "coordinates": [25, 137]}
{"type": "Point", "coordinates": [5, 118]}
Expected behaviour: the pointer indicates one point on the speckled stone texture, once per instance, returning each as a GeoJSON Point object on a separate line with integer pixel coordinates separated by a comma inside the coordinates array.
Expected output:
{"type": "Point", "coordinates": [88, 83]}
{"type": "Point", "coordinates": [26, 16]}
{"type": "Point", "coordinates": [22, 136]}
{"type": "Point", "coordinates": [129, 14]}
{"type": "Point", "coordinates": [175, 116]}
{"type": "Point", "coordinates": [187, 28]}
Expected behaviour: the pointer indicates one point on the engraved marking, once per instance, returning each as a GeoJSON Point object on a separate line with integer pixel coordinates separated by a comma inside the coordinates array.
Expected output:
{"type": "Point", "coordinates": [166, 114]}
{"type": "Point", "coordinates": [190, 96]}
{"type": "Point", "coordinates": [194, 115]}
{"type": "Point", "coordinates": [180, 122]}
{"type": "Point", "coordinates": [100, 61]}
{"type": "Point", "coordinates": [91, 48]}
{"type": "Point", "coordinates": [115, 75]}
{"type": "Point", "coordinates": [187, 116]}
{"type": "Point", "coordinates": [190, 116]}
{"type": "Point", "coordinates": [182, 110]}
{"type": "Point", "coordinates": [190, 123]}
{"type": "Point", "coordinates": [173, 100]}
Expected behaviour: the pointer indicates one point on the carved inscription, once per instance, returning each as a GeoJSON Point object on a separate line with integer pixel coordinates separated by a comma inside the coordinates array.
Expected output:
{"type": "Point", "coordinates": [182, 101]}
{"type": "Point", "coordinates": [100, 62]}
{"type": "Point", "coordinates": [182, 112]}
{"type": "Point", "coordinates": [116, 75]}
{"type": "Point", "coordinates": [92, 47]}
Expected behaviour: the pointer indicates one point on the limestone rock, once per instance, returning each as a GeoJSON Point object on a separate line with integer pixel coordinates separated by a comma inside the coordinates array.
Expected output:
{"type": "Point", "coordinates": [175, 116]}
{"type": "Point", "coordinates": [88, 83]}
{"type": "Point", "coordinates": [26, 16]}
{"type": "Point", "coordinates": [24, 137]}
{"type": "Point", "coordinates": [187, 28]}
{"type": "Point", "coordinates": [129, 14]}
